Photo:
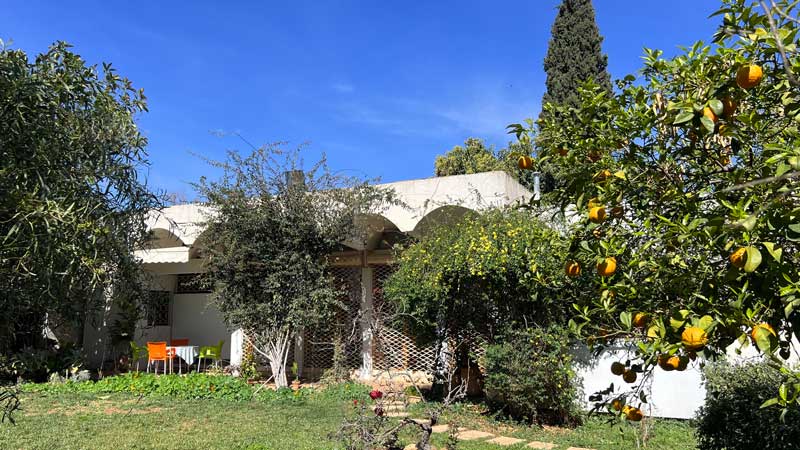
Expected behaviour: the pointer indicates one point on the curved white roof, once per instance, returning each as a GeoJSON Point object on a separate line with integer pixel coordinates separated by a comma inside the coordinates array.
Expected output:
{"type": "Point", "coordinates": [419, 198]}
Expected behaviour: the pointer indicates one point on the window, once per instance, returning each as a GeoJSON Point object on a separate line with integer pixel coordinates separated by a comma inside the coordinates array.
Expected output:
{"type": "Point", "coordinates": [157, 308]}
{"type": "Point", "coordinates": [193, 283]}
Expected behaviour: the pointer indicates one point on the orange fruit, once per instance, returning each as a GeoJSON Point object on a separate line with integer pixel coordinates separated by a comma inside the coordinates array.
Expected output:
{"type": "Point", "coordinates": [617, 212]}
{"type": "Point", "coordinates": [572, 269]}
{"type": "Point", "coordinates": [563, 152]}
{"type": "Point", "coordinates": [640, 320]}
{"type": "Point", "coordinates": [598, 233]}
{"type": "Point", "coordinates": [602, 176]}
{"type": "Point", "coordinates": [694, 338]}
{"type": "Point", "coordinates": [617, 368]}
{"type": "Point", "coordinates": [764, 326]}
{"type": "Point", "coordinates": [617, 404]}
{"type": "Point", "coordinates": [708, 112]}
{"type": "Point", "coordinates": [597, 214]}
{"type": "Point", "coordinates": [663, 362]}
{"type": "Point", "coordinates": [607, 267]}
{"type": "Point", "coordinates": [674, 361]}
{"type": "Point", "coordinates": [729, 106]}
{"type": "Point", "coordinates": [632, 414]}
{"type": "Point", "coordinates": [738, 257]}
{"type": "Point", "coordinates": [749, 76]}
{"type": "Point", "coordinates": [525, 163]}
{"type": "Point", "coordinates": [629, 376]}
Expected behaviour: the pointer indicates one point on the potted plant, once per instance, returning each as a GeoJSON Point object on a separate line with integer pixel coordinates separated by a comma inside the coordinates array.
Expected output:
{"type": "Point", "coordinates": [296, 381]}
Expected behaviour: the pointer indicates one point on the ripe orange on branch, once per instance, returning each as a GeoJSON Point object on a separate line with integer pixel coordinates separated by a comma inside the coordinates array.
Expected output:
{"type": "Point", "coordinates": [749, 76]}
{"type": "Point", "coordinates": [708, 112]}
{"type": "Point", "coordinates": [607, 267]}
{"type": "Point", "coordinates": [729, 106]}
{"type": "Point", "coordinates": [525, 163]}
{"type": "Point", "coordinates": [597, 214]}
{"type": "Point", "coordinates": [694, 338]}
{"type": "Point", "coordinates": [737, 258]}
{"type": "Point", "coordinates": [617, 368]}
{"type": "Point", "coordinates": [629, 376]}
{"type": "Point", "coordinates": [633, 414]}
{"type": "Point", "coordinates": [572, 269]}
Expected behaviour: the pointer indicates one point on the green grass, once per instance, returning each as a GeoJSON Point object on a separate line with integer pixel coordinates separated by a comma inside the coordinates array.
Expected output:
{"type": "Point", "coordinates": [123, 421]}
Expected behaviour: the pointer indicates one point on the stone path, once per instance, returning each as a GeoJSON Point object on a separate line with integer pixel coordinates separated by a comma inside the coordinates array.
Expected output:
{"type": "Point", "coordinates": [395, 406]}
{"type": "Point", "coordinates": [467, 434]}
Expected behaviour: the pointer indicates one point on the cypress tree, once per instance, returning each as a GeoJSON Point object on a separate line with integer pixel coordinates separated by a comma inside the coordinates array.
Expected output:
{"type": "Point", "coordinates": [574, 54]}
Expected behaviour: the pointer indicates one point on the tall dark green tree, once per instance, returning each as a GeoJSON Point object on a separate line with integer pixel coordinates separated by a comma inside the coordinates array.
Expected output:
{"type": "Point", "coordinates": [574, 54]}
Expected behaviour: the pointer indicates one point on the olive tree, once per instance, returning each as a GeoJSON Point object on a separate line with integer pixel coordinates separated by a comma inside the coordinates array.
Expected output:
{"type": "Point", "coordinates": [268, 238]}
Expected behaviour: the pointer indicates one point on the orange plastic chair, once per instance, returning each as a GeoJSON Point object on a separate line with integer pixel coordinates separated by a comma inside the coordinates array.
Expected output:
{"type": "Point", "coordinates": [179, 342]}
{"type": "Point", "coordinates": [157, 351]}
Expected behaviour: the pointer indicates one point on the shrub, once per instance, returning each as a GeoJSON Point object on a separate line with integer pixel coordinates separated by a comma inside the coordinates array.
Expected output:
{"type": "Point", "coordinates": [36, 364]}
{"type": "Point", "coordinates": [732, 416]}
{"type": "Point", "coordinates": [530, 377]}
{"type": "Point", "coordinates": [198, 386]}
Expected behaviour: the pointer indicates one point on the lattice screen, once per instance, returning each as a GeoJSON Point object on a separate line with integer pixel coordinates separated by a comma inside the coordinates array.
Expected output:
{"type": "Point", "coordinates": [394, 348]}
{"type": "Point", "coordinates": [318, 351]}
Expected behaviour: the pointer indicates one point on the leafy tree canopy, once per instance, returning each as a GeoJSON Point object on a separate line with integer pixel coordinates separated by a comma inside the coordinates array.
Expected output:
{"type": "Point", "coordinates": [484, 274]}
{"type": "Point", "coordinates": [476, 157]}
{"type": "Point", "coordinates": [72, 200]}
{"type": "Point", "coordinates": [268, 238]}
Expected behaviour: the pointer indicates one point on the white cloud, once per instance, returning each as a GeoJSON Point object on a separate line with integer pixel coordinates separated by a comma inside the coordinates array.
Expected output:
{"type": "Point", "coordinates": [343, 88]}
{"type": "Point", "coordinates": [480, 111]}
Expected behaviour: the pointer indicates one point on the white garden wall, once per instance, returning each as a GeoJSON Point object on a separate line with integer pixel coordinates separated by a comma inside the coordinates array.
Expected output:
{"type": "Point", "coordinates": [673, 394]}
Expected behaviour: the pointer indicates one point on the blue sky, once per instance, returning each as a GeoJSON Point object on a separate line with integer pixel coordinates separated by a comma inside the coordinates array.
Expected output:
{"type": "Point", "coordinates": [381, 87]}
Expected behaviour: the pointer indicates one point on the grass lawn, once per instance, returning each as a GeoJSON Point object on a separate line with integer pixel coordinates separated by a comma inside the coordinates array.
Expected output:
{"type": "Point", "coordinates": [122, 421]}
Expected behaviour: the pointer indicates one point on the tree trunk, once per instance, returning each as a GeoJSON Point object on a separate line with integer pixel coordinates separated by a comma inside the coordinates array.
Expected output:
{"type": "Point", "coordinates": [276, 350]}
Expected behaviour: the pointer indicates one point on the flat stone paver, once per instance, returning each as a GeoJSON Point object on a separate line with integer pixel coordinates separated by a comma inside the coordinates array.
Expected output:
{"type": "Point", "coordinates": [443, 428]}
{"type": "Point", "coordinates": [471, 435]}
{"type": "Point", "coordinates": [505, 441]}
{"type": "Point", "coordinates": [541, 445]}
{"type": "Point", "coordinates": [396, 414]}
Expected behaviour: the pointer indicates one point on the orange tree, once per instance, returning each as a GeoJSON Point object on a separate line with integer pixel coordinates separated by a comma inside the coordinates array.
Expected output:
{"type": "Point", "coordinates": [681, 193]}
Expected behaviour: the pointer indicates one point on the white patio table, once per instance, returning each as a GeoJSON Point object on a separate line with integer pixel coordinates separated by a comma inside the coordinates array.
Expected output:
{"type": "Point", "coordinates": [188, 353]}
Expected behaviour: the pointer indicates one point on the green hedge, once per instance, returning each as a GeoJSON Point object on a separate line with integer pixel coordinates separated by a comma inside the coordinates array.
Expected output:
{"type": "Point", "coordinates": [732, 417]}
{"type": "Point", "coordinates": [530, 377]}
{"type": "Point", "coordinates": [196, 386]}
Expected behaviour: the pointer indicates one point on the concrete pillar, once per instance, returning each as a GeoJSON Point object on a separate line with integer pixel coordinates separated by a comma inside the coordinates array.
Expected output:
{"type": "Point", "coordinates": [237, 347]}
{"type": "Point", "coordinates": [366, 322]}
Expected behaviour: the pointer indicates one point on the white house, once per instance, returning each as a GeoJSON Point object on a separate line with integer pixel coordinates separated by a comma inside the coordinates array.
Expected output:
{"type": "Point", "coordinates": [181, 308]}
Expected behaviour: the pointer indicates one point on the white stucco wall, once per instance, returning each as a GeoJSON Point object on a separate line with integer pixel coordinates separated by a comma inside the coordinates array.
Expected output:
{"type": "Point", "coordinates": [674, 394]}
{"type": "Point", "coordinates": [194, 318]}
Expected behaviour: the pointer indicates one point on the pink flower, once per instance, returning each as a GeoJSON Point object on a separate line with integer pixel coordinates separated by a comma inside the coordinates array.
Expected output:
{"type": "Point", "coordinates": [376, 394]}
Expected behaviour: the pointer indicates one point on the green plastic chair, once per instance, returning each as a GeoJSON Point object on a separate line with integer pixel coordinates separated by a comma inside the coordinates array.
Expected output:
{"type": "Point", "coordinates": [210, 352]}
{"type": "Point", "coordinates": [137, 353]}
